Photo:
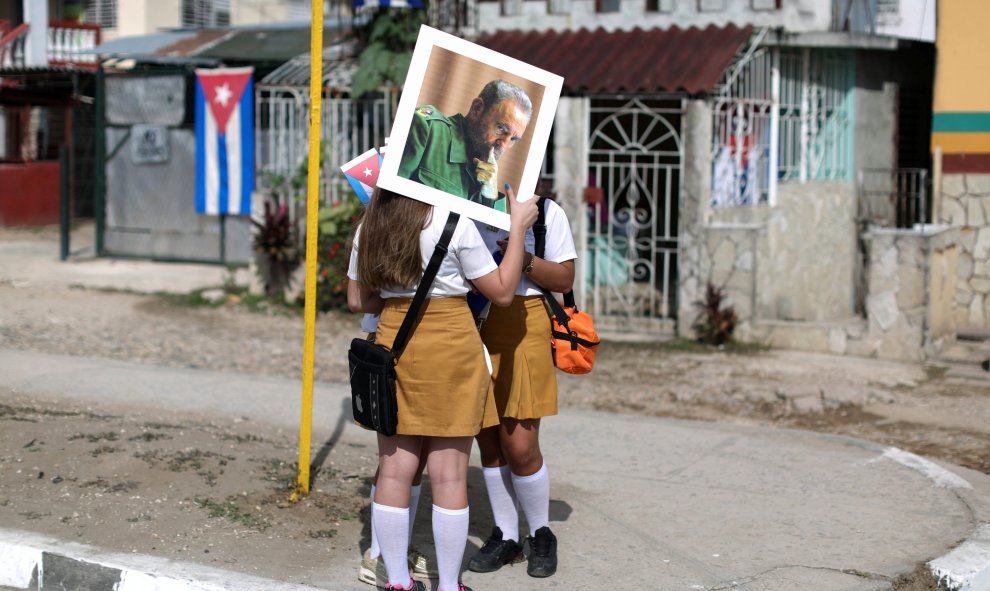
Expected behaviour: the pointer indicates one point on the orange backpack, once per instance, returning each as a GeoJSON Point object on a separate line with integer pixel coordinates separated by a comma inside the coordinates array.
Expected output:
{"type": "Point", "coordinates": [573, 339]}
{"type": "Point", "coordinates": [572, 336]}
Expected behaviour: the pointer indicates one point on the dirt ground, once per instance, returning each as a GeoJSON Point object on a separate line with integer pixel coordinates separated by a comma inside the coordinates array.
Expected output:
{"type": "Point", "coordinates": [98, 474]}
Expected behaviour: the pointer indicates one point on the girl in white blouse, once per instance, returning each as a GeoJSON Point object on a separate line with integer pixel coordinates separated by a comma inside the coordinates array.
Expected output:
{"type": "Point", "coordinates": [442, 382]}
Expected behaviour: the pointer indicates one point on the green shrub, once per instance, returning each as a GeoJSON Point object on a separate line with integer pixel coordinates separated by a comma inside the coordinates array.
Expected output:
{"type": "Point", "coordinates": [336, 222]}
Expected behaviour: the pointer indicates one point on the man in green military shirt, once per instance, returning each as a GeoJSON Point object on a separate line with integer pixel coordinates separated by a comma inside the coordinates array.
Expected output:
{"type": "Point", "coordinates": [459, 154]}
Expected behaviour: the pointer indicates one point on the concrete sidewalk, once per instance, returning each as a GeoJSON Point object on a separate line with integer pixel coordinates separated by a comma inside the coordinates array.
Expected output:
{"type": "Point", "coordinates": [28, 260]}
{"type": "Point", "coordinates": [637, 502]}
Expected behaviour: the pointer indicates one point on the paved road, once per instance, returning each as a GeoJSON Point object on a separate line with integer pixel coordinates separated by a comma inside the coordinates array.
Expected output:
{"type": "Point", "coordinates": [684, 505]}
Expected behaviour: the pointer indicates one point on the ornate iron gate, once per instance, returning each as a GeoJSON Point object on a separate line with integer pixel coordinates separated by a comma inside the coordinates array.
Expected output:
{"type": "Point", "coordinates": [635, 160]}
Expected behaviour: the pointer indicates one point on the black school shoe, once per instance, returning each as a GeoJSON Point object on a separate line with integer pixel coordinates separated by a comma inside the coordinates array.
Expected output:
{"type": "Point", "coordinates": [495, 553]}
{"type": "Point", "coordinates": [542, 553]}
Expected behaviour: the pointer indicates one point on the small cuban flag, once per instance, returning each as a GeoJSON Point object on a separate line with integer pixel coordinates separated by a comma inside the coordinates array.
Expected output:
{"type": "Point", "coordinates": [224, 141]}
{"type": "Point", "coordinates": [362, 173]}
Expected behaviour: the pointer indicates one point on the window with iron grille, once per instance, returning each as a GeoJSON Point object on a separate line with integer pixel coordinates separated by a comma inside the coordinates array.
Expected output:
{"type": "Point", "coordinates": [659, 5]}
{"type": "Point", "coordinates": [205, 13]}
{"type": "Point", "coordinates": [805, 136]}
{"type": "Point", "coordinates": [816, 114]}
{"type": "Point", "coordinates": [558, 6]}
{"type": "Point", "coordinates": [765, 4]}
{"type": "Point", "coordinates": [102, 12]}
{"type": "Point", "coordinates": [511, 7]}
{"type": "Point", "coordinates": [711, 5]}
{"type": "Point", "coordinates": [607, 5]}
{"type": "Point", "coordinates": [888, 13]}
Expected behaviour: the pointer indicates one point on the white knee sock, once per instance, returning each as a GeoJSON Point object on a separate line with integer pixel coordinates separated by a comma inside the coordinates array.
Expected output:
{"type": "Point", "coordinates": [534, 497]}
{"type": "Point", "coordinates": [450, 531]}
{"type": "Point", "coordinates": [502, 497]}
{"type": "Point", "coordinates": [392, 525]}
{"type": "Point", "coordinates": [374, 551]}
{"type": "Point", "coordinates": [413, 505]}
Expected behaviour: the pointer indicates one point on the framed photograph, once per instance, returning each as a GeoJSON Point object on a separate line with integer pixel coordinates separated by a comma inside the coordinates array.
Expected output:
{"type": "Point", "coordinates": [470, 121]}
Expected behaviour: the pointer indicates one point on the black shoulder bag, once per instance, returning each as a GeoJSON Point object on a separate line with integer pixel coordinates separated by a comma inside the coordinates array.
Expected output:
{"type": "Point", "coordinates": [372, 366]}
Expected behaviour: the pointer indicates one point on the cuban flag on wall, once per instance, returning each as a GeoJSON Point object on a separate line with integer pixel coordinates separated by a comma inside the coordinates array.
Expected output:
{"type": "Point", "coordinates": [224, 141]}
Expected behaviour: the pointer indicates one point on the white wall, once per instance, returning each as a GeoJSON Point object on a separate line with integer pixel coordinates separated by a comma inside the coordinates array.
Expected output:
{"type": "Point", "coordinates": [795, 15]}
{"type": "Point", "coordinates": [144, 17]}
{"type": "Point", "coordinates": [36, 44]}
{"type": "Point", "coordinates": [916, 20]}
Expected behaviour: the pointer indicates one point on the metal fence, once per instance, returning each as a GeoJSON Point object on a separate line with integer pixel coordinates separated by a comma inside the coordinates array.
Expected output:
{"type": "Point", "coordinates": [815, 114]}
{"type": "Point", "coordinates": [744, 130]}
{"type": "Point", "coordinates": [893, 197]}
{"type": "Point", "coordinates": [630, 254]}
{"type": "Point", "coordinates": [781, 114]}
{"type": "Point", "coordinates": [348, 128]}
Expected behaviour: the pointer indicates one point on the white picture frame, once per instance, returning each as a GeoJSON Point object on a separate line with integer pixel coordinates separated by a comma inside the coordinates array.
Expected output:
{"type": "Point", "coordinates": [449, 72]}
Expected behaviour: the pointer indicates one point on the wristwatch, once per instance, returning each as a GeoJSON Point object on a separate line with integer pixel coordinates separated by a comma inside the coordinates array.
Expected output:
{"type": "Point", "coordinates": [528, 267]}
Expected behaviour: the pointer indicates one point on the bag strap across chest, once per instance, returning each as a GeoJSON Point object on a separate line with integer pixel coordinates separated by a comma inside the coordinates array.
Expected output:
{"type": "Point", "coordinates": [412, 315]}
{"type": "Point", "coordinates": [540, 234]}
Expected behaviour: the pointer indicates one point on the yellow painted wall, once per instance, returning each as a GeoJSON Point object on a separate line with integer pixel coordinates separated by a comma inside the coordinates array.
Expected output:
{"type": "Point", "coordinates": [962, 73]}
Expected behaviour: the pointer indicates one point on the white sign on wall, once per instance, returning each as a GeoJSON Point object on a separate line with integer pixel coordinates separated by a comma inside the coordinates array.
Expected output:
{"type": "Point", "coordinates": [149, 144]}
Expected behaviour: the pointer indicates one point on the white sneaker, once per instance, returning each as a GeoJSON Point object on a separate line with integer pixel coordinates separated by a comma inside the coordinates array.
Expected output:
{"type": "Point", "coordinates": [372, 570]}
{"type": "Point", "coordinates": [420, 565]}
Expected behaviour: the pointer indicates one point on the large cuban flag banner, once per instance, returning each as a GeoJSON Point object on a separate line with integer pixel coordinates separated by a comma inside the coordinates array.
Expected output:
{"type": "Point", "coordinates": [224, 141]}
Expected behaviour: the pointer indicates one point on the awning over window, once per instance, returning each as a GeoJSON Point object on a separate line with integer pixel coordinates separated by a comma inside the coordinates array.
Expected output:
{"type": "Point", "coordinates": [689, 60]}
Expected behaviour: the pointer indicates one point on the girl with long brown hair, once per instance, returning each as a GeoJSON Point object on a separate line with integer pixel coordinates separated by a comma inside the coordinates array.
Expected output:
{"type": "Point", "coordinates": [442, 379]}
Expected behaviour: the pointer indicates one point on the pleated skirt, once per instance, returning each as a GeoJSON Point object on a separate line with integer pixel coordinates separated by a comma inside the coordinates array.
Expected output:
{"type": "Point", "coordinates": [518, 340]}
{"type": "Point", "coordinates": [443, 387]}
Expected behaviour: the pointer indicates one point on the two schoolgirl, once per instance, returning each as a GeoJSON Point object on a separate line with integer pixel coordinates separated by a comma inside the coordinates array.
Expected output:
{"type": "Point", "coordinates": [443, 383]}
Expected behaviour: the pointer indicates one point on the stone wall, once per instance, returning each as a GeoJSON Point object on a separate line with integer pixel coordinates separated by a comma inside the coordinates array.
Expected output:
{"type": "Point", "coordinates": [570, 152]}
{"type": "Point", "coordinates": [788, 271]}
{"type": "Point", "coordinates": [965, 204]}
{"type": "Point", "coordinates": [797, 257]}
{"type": "Point", "coordinates": [729, 253]}
{"type": "Point", "coordinates": [909, 308]}
{"type": "Point", "coordinates": [696, 192]}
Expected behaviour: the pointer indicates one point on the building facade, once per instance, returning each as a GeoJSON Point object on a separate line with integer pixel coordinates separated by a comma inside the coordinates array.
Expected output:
{"type": "Point", "coordinates": [961, 142]}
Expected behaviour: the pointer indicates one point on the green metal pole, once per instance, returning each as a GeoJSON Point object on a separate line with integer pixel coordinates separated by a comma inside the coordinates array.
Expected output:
{"type": "Point", "coordinates": [63, 201]}
{"type": "Point", "coordinates": [99, 185]}
{"type": "Point", "coordinates": [223, 238]}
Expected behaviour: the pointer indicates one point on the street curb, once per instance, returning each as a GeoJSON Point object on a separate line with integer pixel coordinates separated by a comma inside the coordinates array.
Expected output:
{"type": "Point", "coordinates": [967, 567]}
{"type": "Point", "coordinates": [40, 563]}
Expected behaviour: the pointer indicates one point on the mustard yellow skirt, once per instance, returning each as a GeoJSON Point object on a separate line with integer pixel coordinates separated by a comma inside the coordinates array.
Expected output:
{"type": "Point", "coordinates": [518, 340]}
{"type": "Point", "coordinates": [443, 387]}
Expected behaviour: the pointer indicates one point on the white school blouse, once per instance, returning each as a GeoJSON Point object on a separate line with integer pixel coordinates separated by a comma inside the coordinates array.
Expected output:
{"type": "Point", "coordinates": [467, 258]}
{"type": "Point", "coordinates": [559, 245]}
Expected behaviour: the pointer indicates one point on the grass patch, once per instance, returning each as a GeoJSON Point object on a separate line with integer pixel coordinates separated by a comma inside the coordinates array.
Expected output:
{"type": "Point", "coordinates": [282, 474]}
{"type": "Point", "coordinates": [150, 436]}
{"type": "Point", "coordinates": [105, 449]}
{"type": "Point", "coordinates": [682, 345]}
{"type": "Point", "coordinates": [94, 437]}
{"type": "Point", "coordinates": [233, 296]}
{"type": "Point", "coordinates": [230, 510]}
{"type": "Point", "coordinates": [934, 373]}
